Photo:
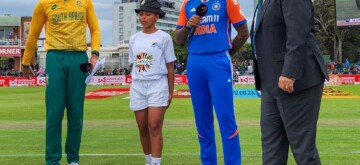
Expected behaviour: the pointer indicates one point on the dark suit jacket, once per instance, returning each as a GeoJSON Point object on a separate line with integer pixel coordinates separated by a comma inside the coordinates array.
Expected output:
{"type": "Point", "coordinates": [286, 45]}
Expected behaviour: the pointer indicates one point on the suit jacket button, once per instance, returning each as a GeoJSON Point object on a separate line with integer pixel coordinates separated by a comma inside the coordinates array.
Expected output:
{"type": "Point", "coordinates": [259, 58]}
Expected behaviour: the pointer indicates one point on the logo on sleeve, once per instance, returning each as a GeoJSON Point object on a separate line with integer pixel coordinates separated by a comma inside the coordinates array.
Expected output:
{"type": "Point", "coordinates": [53, 7]}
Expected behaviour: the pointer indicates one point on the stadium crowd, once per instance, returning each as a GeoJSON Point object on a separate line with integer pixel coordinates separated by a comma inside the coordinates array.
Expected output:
{"type": "Point", "coordinates": [337, 68]}
{"type": "Point", "coordinates": [244, 67]}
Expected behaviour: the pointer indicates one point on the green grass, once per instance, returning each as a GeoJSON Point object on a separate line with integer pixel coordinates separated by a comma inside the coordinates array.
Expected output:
{"type": "Point", "coordinates": [110, 135]}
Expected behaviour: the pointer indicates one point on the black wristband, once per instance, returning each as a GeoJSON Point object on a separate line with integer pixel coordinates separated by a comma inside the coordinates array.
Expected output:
{"type": "Point", "coordinates": [25, 66]}
{"type": "Point", "coordinates": [95, 52]}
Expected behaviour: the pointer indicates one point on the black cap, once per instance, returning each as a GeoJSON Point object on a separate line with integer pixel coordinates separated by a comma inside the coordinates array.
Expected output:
{"type": "Point", "coordinates": [152, 6]}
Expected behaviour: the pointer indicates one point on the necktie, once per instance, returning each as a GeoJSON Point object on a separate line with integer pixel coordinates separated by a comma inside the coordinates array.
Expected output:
{"type": "Point", "coordinates": [260, 3]}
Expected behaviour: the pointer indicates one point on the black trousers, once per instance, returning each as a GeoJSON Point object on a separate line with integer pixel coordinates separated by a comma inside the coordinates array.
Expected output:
{"type": "Point", "coordinates": [290, 120]}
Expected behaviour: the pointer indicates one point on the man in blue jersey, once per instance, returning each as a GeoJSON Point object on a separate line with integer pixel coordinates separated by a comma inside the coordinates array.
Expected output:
{"type": "Point", "coordinates": [209, 72]}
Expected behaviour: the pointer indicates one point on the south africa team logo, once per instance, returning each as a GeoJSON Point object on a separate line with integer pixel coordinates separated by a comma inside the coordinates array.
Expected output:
{"type": "Point", "coordinates": [53, 7]}
{"type": "Point", "coordinates": [143, 61]}
{"type": "Point", "coordinates": [78, 3]}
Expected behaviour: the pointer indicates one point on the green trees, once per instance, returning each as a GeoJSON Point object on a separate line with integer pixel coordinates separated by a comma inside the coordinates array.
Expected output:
{"type": "Point", "coordinates": [340, 43]}
{"type": "Point", "coordinates": [181, 52]}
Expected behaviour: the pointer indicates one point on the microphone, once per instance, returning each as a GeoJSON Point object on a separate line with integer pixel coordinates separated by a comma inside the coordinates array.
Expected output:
{"type": "Point", "coordinates": [201, 11]}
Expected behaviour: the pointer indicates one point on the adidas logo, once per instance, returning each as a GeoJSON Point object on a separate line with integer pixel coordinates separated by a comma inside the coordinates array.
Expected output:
{"type": "Point", "coordinates": [228, 80]}
{"type": "Point", "coordinates": [193, 10]}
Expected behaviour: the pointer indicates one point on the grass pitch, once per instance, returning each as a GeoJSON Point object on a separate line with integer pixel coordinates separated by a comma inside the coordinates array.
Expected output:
{"type": "Point", "coordinates": [110, 135]}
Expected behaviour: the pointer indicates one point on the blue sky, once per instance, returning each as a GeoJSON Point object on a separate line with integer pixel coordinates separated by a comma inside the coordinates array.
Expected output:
{"type": "Point", "coordinates": [103, 9]}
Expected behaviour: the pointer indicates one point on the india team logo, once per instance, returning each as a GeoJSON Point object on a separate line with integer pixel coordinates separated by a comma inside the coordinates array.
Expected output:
{"type": "Point", "coordinates": [143, 61]}
{"type": "Point", "coordinates": [216, 6]}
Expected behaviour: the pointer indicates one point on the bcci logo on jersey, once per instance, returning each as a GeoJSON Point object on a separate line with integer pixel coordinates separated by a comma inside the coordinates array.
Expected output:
{"type": "Point", "coordinates": [216, 6]}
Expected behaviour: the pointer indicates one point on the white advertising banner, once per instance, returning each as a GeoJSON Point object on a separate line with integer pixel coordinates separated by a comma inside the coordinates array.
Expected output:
{"type": "Point", "coordinates": [107, 80]}
{"type": "Point", "coordinates": [250, 79]}
{"type": "Point", "coordinates": [41, 81]}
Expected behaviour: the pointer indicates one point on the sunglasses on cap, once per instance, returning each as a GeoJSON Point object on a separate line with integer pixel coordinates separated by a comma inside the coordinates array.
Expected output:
{"type": "Point", "coordinates": [85, 67]}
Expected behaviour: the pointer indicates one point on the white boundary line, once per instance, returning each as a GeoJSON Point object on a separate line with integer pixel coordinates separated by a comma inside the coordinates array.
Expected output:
{"type": "Point", "coordinates": [174, 154]}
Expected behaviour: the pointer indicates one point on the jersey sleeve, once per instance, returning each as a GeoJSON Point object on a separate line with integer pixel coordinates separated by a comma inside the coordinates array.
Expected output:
{"type": "Point", "coordinates": [131, 53]}
{"type": "Point", "coordinates": [234, 12]}
{"type": "Point", "coordinates": [93, 24]}
{"type": "Point", "coordinates": [182, 16]}
{"type": "Point", "coordinates": [37, 22]}
{"type": "Point", "coordinates": [169, 50]}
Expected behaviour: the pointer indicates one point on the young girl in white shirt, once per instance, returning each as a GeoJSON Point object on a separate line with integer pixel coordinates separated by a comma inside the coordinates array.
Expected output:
{"type": "Point", "coordinates": [152, 56]}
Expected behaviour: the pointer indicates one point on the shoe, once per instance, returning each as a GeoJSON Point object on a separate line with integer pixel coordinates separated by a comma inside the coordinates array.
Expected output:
{"type": "Point", "coordinates": [73, 163]}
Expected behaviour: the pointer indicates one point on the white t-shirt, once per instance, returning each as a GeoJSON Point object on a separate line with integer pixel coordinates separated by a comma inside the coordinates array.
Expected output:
{"type": "Point", "coordinates": [149, 54]}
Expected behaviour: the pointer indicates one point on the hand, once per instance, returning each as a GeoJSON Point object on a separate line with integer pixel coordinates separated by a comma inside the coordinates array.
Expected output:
{"type": "Point", "coordinates": [94, 58]}
{"type": "Point", "coordinates": [169, 100]}
{"type": "Point", "coordinates": [193, 22]}
{"type": "Point", "coordinates": [27, 72]}
{"type": "Point", "coordinates": [286, 84]}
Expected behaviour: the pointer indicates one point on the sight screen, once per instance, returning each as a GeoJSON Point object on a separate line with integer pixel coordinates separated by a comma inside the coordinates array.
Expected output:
{"type": "Point", "coordinates": [347, 13]}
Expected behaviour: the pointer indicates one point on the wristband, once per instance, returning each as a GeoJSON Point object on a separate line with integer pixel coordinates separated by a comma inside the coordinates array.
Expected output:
{"type": "Point", "coordinates": [95, 52]}
{"type": "Point", "coordinates": [25, 66]}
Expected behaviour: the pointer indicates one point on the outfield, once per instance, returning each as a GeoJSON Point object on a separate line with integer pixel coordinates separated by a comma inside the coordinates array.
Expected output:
{"type": "Point", "coordinates": [110, 134]}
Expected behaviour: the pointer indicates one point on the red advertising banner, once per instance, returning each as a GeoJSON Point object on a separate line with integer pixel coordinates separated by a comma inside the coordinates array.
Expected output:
{"type": "Point", "coordinates": [10, 51]}
{"type": "Point", "coordinates": [349, 78]}
{"type": "Point", "coordinates": [179, 79]}
{"type": "Point", "coordinates": [128, 79]}
{"type": "Point", "coordinates": [335, 79]}
{"type": "Point", "coordinates": [2, 82]}
{"type": "Point", "coordinates": [15, 82]}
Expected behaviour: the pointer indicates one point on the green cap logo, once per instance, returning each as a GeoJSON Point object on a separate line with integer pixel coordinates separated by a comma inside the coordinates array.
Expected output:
{"type": "Point", "coordinates": [53, 7]}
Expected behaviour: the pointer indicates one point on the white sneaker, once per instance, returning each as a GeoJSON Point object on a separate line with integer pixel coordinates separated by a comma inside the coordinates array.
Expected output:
{"type": "Point", "coordinates": [73, 163]}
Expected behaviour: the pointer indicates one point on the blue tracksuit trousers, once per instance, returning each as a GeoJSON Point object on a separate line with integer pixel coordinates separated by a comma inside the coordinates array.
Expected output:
{"type": "Point", "coordinates": [211, 85]}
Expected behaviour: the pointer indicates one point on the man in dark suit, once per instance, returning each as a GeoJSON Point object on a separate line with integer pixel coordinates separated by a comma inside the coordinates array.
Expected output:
{"type": "Point", "coordinates": [290, 72]}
